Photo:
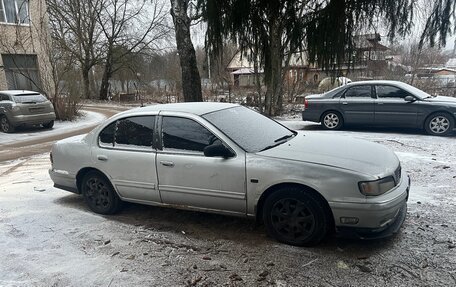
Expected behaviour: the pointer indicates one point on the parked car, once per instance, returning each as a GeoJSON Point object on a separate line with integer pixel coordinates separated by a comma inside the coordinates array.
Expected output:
{"type": "Point", "coordinates": [228, 159]}
{"type": "Point", "coordinates": [382, 103]}
{"type": "Point", "coordinates": [19, 108]}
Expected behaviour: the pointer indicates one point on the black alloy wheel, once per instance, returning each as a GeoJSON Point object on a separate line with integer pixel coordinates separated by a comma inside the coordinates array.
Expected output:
{"type": "Point", "coordinates": [48, 125]}
{"type": "Point", "coordinates": [5, 125]}
{"type": "Point", "coordinates": [99, 194]}
{"type": "Point", "coordinates": [296, 217]}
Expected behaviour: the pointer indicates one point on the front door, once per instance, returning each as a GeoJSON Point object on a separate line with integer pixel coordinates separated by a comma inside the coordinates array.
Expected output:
{"type": "Point", "coordinates": [391, 108]}
{"type": "Point", "coordinates": [357, 105]}
{"type": "Point", "coordinates": [188, 178]}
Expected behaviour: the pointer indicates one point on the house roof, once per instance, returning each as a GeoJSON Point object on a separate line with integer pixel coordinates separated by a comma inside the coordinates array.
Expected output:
{"type": "Point", "coordinates": [368, 42]}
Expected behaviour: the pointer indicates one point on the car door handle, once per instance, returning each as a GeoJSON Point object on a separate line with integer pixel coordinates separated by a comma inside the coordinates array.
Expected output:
{"type": "Point", "coordinates": [102, 157]}
{"type": "Point", "coordinates": [167, 163]}
{"type": "Point", "coordinates": [344, 103]}
{"type": "Point", "coordinates": [379, 103]}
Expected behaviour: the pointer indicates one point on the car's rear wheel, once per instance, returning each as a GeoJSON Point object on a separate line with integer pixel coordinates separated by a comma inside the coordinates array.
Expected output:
{"type": "Point", "coordinates": [99, 194]}
{"type": "Point", "coordinates": [48, 125]}
{"type": "Point", "coordinates": [332, 121]}
{"type": "Point", "coordinates": [296, 217]}
{"type": "Point", "coordinates": [5, 125]}
{"type": "Point", "coordinates": [439, 124]}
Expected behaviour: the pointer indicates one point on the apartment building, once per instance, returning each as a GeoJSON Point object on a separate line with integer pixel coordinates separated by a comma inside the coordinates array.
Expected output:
{"type": "Point", "coordinates": [24, 36]}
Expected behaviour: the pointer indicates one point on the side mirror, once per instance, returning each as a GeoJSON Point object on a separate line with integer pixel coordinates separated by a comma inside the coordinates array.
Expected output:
{"type": "Point", "coordinates": [410, 99]}
{"type": "Point", "coordinates": [217, 149]}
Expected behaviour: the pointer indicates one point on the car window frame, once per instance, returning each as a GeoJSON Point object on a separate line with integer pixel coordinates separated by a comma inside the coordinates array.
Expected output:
{"type": "Point", "coordinates": [389, 85]}
{"type": "Point", "coordinates": [123, 148]}
{"type": "Point", "coordinates": [361, 85]}
{"type": "Point", "coordinates": [160, 148]}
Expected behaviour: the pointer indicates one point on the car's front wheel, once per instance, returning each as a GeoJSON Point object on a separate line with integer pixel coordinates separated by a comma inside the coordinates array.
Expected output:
{"type": "Point", "coordinates": [439, 124]}
{"type": "Point", "coordinates": [296, 217]}
{"type": "Point", "coordinates": [48, 125]}
{"type": "Point", "coordinates": [99, 194]}
{"type": "Point", "coordinates": [332, 121]}
{"type": "Point", "coordinates": [5, 125]}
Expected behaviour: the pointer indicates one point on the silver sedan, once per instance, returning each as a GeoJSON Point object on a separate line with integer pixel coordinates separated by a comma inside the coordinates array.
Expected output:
{"type": "Point", "coordinates": [228, 159]}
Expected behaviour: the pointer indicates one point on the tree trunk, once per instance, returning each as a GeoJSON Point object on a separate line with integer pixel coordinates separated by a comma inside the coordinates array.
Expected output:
{"type": "Point", "coordinates": [273, 72]}
{"type": "Point", "coordinates": [191, 81]}
{"type": "Point", "coordinates": [86, 82]}
{"type": "Point", "coordinates": [107, 74]}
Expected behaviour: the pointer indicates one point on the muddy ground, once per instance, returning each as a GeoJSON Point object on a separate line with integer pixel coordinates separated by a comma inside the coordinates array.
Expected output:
{"type": "Point", "coordinates": [48, 237]}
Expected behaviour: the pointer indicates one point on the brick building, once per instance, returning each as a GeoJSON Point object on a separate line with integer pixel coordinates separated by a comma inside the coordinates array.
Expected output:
{"type": "Point", "coordinates": [24, 38]}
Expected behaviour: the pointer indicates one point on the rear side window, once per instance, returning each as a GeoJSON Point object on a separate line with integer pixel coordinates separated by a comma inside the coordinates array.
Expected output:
{"type": "Point", "coordinates": [359, 92]}
{"type": "Point", "coordinates": [131, 133]}
{"type": "Point", "coordinates": [4, 98]}
{"type": "Point", "coordinates": [390, 92]}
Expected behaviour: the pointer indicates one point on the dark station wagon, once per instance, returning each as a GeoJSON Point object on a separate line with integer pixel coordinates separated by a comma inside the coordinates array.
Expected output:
{"type": "Point", "coordinates": [382, 103]}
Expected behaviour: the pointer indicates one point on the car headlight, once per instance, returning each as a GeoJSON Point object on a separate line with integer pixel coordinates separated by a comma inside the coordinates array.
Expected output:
{"type": "Point", "coordinates": [376, 187]}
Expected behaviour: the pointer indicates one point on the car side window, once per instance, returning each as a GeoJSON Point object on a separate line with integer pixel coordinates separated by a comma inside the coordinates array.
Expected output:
{"type": "Point", "coordinates": [131, 133]}
{"type": "Point", "coordinates": [359, 92]}
{"type": "Point", "coordinates": [185, 135]}
{"type": "Point", "coordinates": [390, 92]}
{"type": "Point", "coordinates": [106, 137]}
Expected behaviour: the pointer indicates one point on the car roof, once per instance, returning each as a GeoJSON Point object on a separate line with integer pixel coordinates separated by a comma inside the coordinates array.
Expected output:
{"type": "Point", "coordinates": [376, 82]}
{"type": "Point", "coordinates": [197, 108]}
{"type": "Point", "coordinates": [17, 92]}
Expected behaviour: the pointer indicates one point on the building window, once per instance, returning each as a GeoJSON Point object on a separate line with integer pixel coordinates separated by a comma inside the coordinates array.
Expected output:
{"type": "Point", "coordinates": [14, 11]}
{"type": "Point", "coordinates": [21, 72]}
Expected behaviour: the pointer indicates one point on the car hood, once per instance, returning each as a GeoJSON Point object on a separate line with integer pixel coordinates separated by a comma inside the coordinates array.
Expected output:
{"type": "Point", "coordinates": [441, 99]}
{"type": "Point", "coordinates": [338, 151]}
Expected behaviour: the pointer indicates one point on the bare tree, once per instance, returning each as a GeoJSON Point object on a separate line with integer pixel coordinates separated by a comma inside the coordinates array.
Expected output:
{"type": "Point", "coordinates": [133, 27]}
{"type": "Point", "coordinates": [75, 28]}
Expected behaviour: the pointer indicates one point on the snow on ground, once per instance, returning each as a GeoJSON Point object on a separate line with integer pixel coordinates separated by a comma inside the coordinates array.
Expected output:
{"type": "Point", "coordinates": [86, 119]}
{"type": "Point", "coordinates": [48, 237]}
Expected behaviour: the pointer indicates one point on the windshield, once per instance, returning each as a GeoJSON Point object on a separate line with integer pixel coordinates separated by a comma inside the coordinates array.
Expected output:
{"type": "Point", "coordinates": [29, 98]}
{"type": "Point", "coordinates": [417, 92]}
{"type": "Point", "coordinates": [250, 130]}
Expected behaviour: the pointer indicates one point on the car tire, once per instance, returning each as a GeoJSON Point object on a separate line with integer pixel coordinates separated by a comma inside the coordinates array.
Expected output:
{"type": "Point", "coordinates": [295, 216]}
{"type": "Point", "coordinates": [5, 125]}
{"type": "Point", "coordinates": [48, 125]}
{"type": "Point", "coordinates": [439, 124]}
{"type": "Point", "coordinates": [99, 194]}
{"type": "Point", "coordinates": [332, 121]}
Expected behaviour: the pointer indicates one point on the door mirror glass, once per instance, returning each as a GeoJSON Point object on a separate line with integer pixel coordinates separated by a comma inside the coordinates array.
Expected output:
{"type": "Point", "coordinates": [409, 99]}
{"type": "Point", "coordinates": [217, 149]}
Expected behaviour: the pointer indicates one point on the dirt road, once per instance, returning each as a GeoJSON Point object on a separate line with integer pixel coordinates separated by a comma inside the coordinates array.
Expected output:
{"type": "Point", "coordinates": [24, 148]}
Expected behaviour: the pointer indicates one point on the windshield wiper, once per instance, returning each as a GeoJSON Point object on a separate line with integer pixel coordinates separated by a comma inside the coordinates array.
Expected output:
{"type": "Point", "coordinates": [284, 138]}
{"type": "Point", "coordinates": [279, 141]}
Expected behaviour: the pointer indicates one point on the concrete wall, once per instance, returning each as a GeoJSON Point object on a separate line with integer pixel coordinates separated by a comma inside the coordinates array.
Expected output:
{"type": "Point", "coordinates": [28, 39]}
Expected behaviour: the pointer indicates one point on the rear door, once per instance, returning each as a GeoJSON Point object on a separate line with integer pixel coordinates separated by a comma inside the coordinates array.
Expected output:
{"type": "Point", "coordinates": [357, 105]}
{"type": "Point", "coordinates": [391, 108]}
{"type": "Point", "coordinates": [188, 178]}
{"type": "Point", "coordinates": [126, 154]}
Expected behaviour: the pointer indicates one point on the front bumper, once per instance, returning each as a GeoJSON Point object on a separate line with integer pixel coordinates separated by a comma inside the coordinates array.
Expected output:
{"type": "Point", "coordinates": [378, 217]}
